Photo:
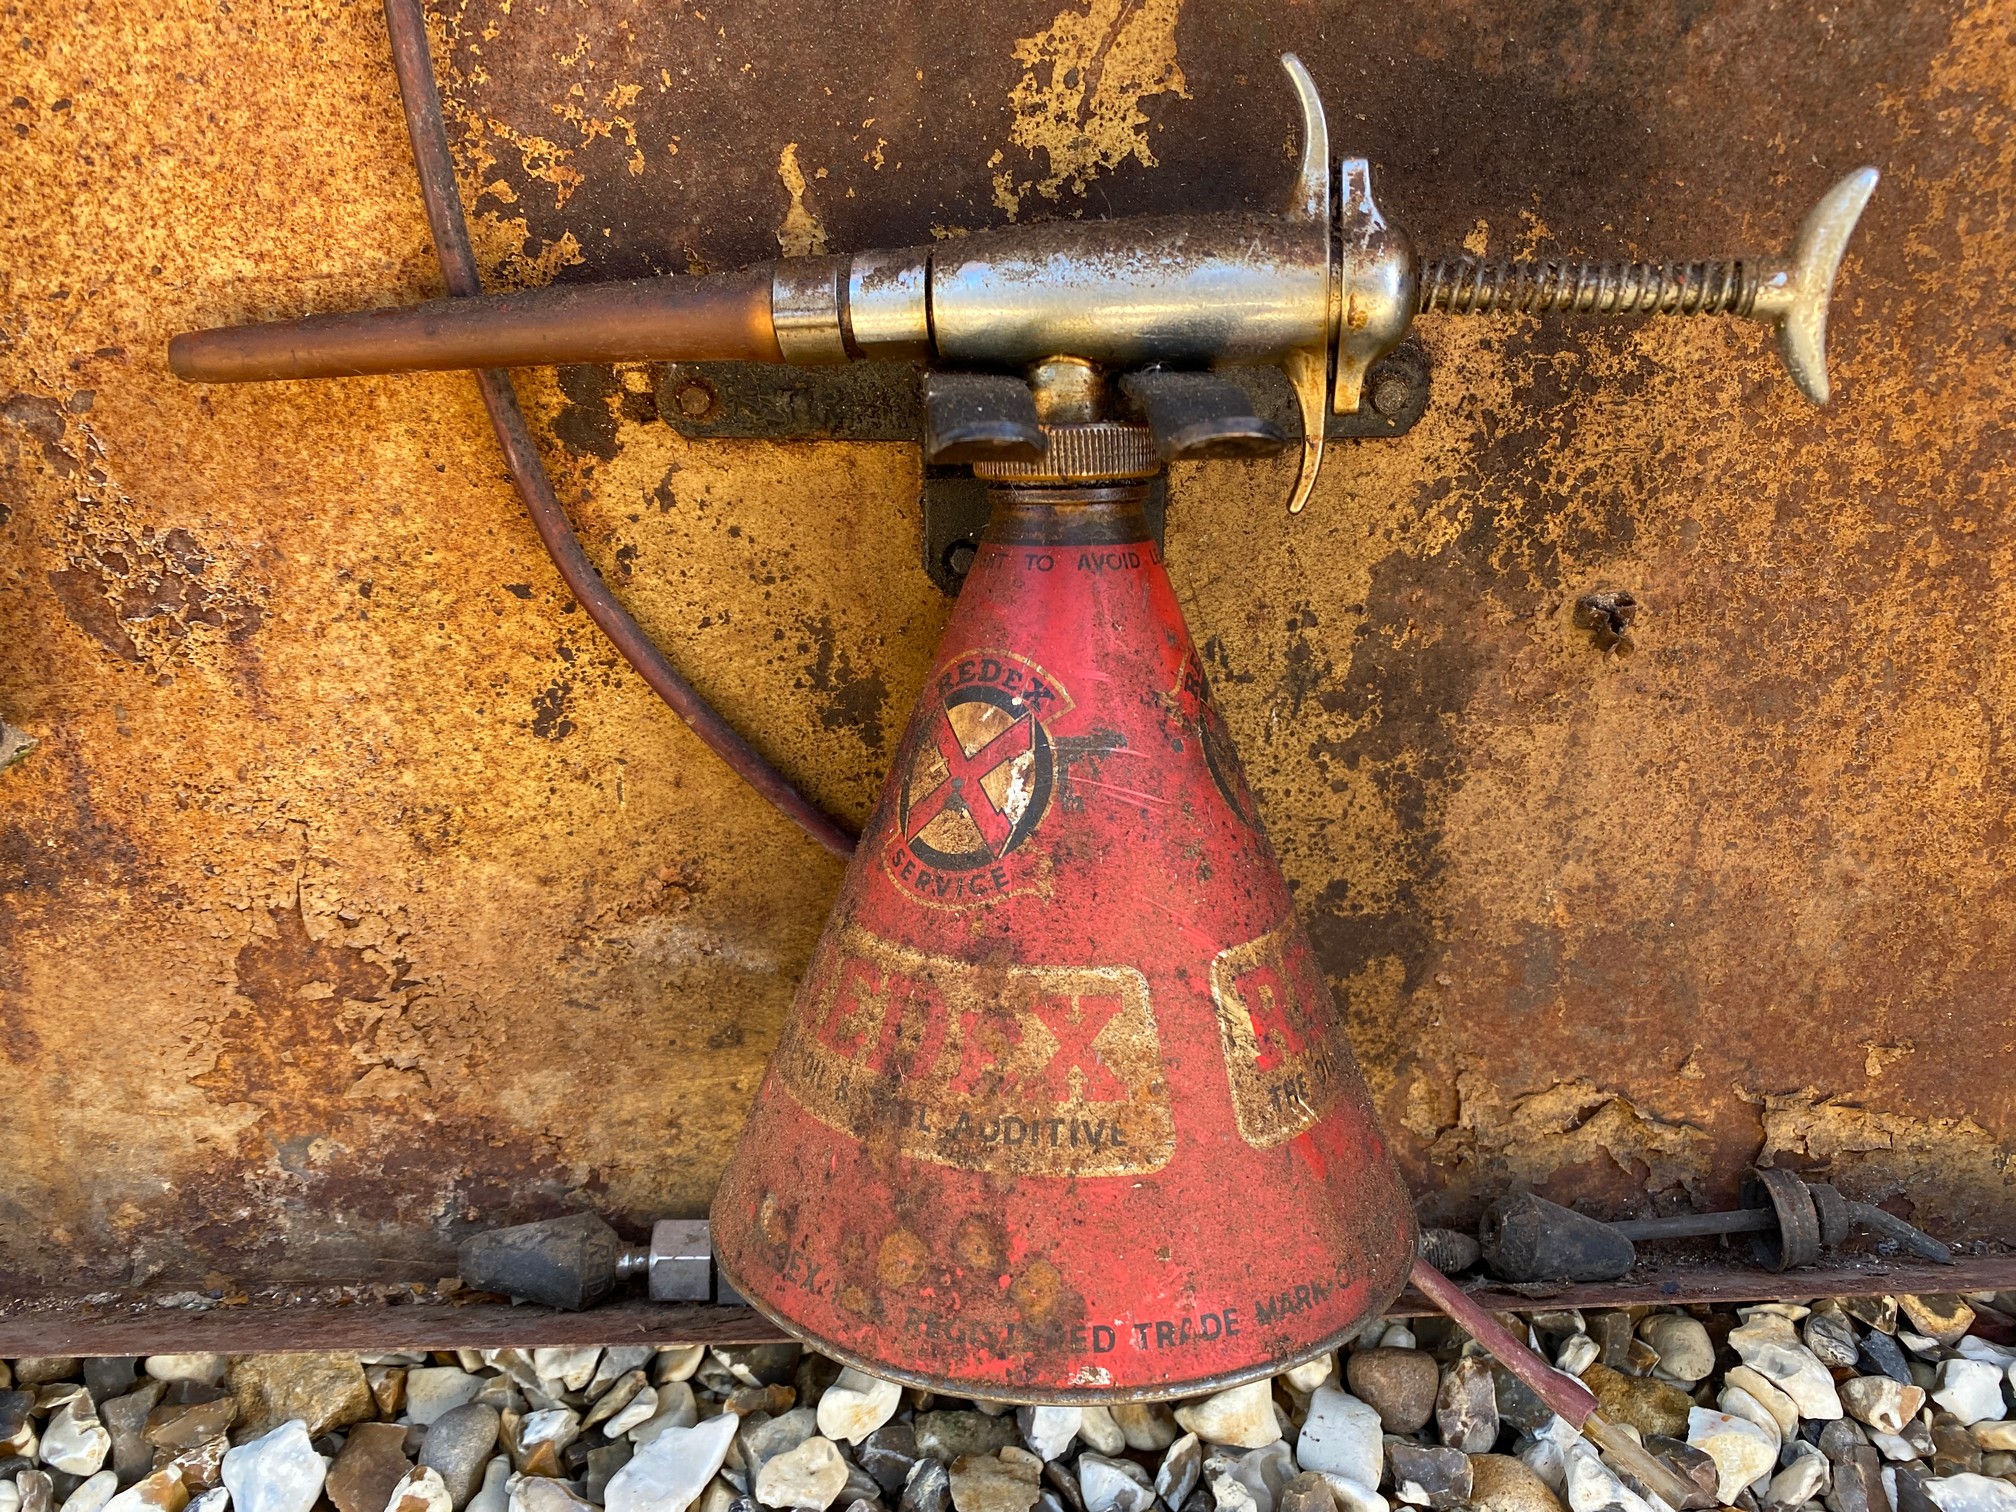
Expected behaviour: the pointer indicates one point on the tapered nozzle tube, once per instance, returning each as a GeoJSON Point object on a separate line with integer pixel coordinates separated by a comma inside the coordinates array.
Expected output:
{"type": "Point", "coordinates": [718, 317]}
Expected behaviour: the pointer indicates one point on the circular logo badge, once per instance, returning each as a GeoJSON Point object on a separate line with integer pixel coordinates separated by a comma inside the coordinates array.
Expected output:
{"type": "Point", "coordinates": [980, 772]}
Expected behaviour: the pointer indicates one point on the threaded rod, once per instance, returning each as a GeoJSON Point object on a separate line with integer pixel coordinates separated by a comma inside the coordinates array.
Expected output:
{"type": "Point", "coordinates": [1468, 286]}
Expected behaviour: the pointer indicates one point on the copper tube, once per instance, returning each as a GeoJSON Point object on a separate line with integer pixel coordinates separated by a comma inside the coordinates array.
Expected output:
{"type": "Point", "coordinates": [422, 101]}
{"type": "Point", "coordinates": [722, 316]}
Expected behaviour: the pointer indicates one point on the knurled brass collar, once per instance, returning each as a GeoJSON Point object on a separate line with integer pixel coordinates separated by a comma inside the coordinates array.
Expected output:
{"type": "Point", "coordinates": [1100, 452]}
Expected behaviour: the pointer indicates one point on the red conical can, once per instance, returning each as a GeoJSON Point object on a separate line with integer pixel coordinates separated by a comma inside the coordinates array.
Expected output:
{"type": "Point", "coordinates": [1063, 1110]}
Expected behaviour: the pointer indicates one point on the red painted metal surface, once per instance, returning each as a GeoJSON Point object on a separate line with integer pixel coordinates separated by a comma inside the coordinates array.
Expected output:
{"type": "Point", "coordinates": [1063, 1109]}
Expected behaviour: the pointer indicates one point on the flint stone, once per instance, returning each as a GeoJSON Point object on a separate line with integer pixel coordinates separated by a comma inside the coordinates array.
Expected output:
{"type": "Point", "coordinates": [1147, 1426]}
{"type": "Point", "coordinates": [621, 1392]}
{"type": "Point", "coordinates": [1425, 1476]}
{"type": "Point", "coordinates": [1005, 1481]}
{"type": "Point", "coordinates": [1060, 1489]}
{"type": "Point", "coordinates": [1262, 1472]}
{"type": "Point", "coordinates": [1179, 1472]}
{"type": "Point", "coordinates": [108, 1376]}
{"type": "Point", "coordinates": [1342, 1436]}
{"type": "Point", "coordinates": [1892, 1446]}
{"type": "Point", "coordinates": [540, 1493]}
{"type": "Point", "coordinates": [1352, 1497]}
{"type": "Point", "coordinates": [17, 1430]}
{"type": "Point", "coordinates": [567, 1369]}
{"type": "Point", "coordinates": [669, 1471]}
{"type": "Point", "coordinates": [1100, 1432]}
{"type": "Point", "coordinates": [1612, 1332]}
{"type": "Point", "coordinates": [857, 1404]}
{"type": "Point", "coordinates": [276, 1472]}
{"type": "Point", "coordinates": [1518, 1404]}
{"type": "Point", "coordinates": [1399, 1384]}
{"type": "Point", "coordinates": [494, 1495]}
{"type": "Point", "coordinates": [950, 1436]}
{"type": "Point", "coordinates": [1307, 1492]}
{"type": "Point", "coordinates": [676, 1362]}
{"type": "Point", "coordinates": [762, 1440]}
{"type": "Point", "coordinates": [1943, 1316]}
{"type": "Point", "coordinates": [42, 1370]}
{"type": "Point", "coordinates": [1466, 1406]}
{"type": "Point", "coordinates": [1685, 1351]}
{"type": "Point", "coordinates": [36, 1490]}
{"type": "Point", "coordinates": [421, 1489]}
{"type": "Point", "coordinates": [677, 1408]}
{"type": "Point", "coordinates": [1500, 1483]}
{"type": "Point", "coordinates": [887, 1454]}
{"type": "Point", "coordinates": [179, 1426]}
{"type": "Point", "coordinates": [760, 1364]}
{"type": "Point", "coordinates": [1971, 1493]}
{"type": "Point", "coordinates": [1647, 1405]}
{"type": "Point", "coordinates": [641, 1409]}
{"type": "Point", "coordinates": [1956, 1450]}
{"type": "Point", "coordinates": [928, 1488]}
{"type": "Point", "coordinates": [163, 1491]}
{"type": "Point", "coordinates": [1804, 1480]}
{"type": "Point", "coordinates": [1777, 1408]}
{"type": "Point", "coordinates": [1048, 1431]}
{"type": "Point", "coordinates": [1880, 1353]}
{"type": "Point", "coordinates": [1108, 1485]}
{"type": "Point", "coordinates": [200, 1466]}
{"type": "Point", "coordinates": [1742, 1451]}
{"type": "Point", "coordinates": [1593, 1486]}
{"type": "Point", "coordinates": [1881, 1402]}
{"type": "Point", "coordinates": [617, 1363]}
{"type": "Point", "coordinates": [74, 1440]}
{"type": "Point", "coordinates": [458, 1446]}
{"type": "Point", "coordinates": [204, 1369]}
{"type": "Point", "coordinates": [92, 1496]}
{"type": "Point", "coordinates": [1838, 1439]}
{"type": "Point", "coordinates": [372, 1462]}
{"type": "Point", "coordinates": [1693, 1466]}
{"type": "Point", "coordinates": [1832, 1338]}
{"type": "Point", "coordinates": [1577, 1355]}
{"type": "Point", "coordinates": [542, 1438]}
{"type": "Point", "coordinates": [1992, 1438]}
{"type": "Point", "coordinates": [1858, 1484]}
{"type": "Point", "coordinates": [1969, 1389]}
{"type": "Point", "coordinates": [437, 1389]}
{"type": "Point", "coordinates": [747, 1401]}
{"type": "Point", "coordinates": [1242, 1416]}
{"type": "Point", "coordinates": [860, 1486]}
{"type": "Point", "coordinates": [810, 1477]}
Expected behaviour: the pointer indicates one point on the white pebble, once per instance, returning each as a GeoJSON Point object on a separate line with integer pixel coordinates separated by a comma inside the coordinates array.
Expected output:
{"type": "Point", "coordinates": [1742, 1450]}
{"type": "Point", "coordinates": [204, 1369]}
{"type": "Point", "coordinates": [92, 1495]}
{"type": "Point", "coordinates": [280, 1472]}
{"type": "Point", "coordinates": [1242, 1416]}
{"type": "Point", "coordinates": [1342, 1437]}
{"type": "Point", "coordinates": [1971, 1493]}
{"type": "Point", "coordinates": [1101, 1433]}
{"type": "Point", "coordinates": [420, 1489]}
{"type": "Point", "coordinates": [857, 1404]}
{"type": "Point", "coordinates": [670, 1470]}
{"type": "Point", "coordinates": [638, 1410]}
{"type": "Point", "coordinates": [1969, 1389]}
{"type": "Point", "coordinates": [1048, 1431]}
{"type": "Point", "coordinates": [1113, 1485]}
{"type": "Point", "coordinates": [75, 1441]}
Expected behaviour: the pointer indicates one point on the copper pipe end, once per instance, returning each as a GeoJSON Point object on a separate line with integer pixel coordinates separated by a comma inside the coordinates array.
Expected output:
{"type": "Point", "coordinates": [719, 317]}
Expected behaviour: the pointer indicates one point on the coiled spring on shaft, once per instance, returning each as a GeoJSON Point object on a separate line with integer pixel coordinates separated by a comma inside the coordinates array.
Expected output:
{"type": "Point", "coordinates": [1467, 286]}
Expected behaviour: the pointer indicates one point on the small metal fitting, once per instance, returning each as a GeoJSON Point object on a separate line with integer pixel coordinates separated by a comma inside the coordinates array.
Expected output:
{"type": "Point", "coordinates": [679, 1266]}
{"type": "Point", "coordinates": [806, 300]}
{"type": "Point", "coordinates": [1102, 452]}
{"type": "Point", "coordinates": [887, 313]}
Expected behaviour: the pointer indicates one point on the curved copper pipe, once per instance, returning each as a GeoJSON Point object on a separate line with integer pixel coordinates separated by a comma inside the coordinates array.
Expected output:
{"type": "Point", "coordinates": [422, 101]}
{"type": "Point", "coordinates": [721, 316]}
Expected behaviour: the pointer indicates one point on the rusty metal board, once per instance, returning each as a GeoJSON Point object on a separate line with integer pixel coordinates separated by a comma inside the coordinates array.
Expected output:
{"type": "Point", "coordinates": [354, 896]}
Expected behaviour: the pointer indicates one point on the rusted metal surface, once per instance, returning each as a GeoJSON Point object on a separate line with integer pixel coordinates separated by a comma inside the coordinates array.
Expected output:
{"type": "Point", "coordinates": [1062, 1008]}
{"type": "Point", "coordinates": [355, 895]}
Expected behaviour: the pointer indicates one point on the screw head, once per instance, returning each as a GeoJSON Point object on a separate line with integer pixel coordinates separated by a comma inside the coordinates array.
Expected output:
{"type": "Point", "coordinates": [1390, 393]}
{"type": "Point", "coordinates": [696, 398]}
{"type": "Point", "coordinates": [959, 558]}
